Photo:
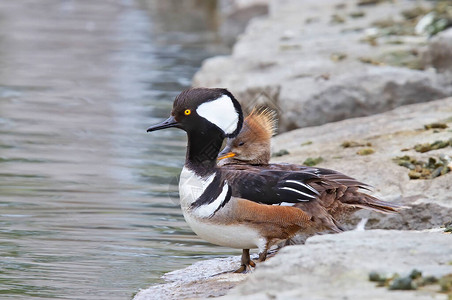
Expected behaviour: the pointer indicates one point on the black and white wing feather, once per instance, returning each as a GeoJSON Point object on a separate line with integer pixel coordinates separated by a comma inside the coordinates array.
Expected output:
{"type": "Point", "coordinates": [296, 187]}
{"type": "Point", "coordinates": [266, 186]}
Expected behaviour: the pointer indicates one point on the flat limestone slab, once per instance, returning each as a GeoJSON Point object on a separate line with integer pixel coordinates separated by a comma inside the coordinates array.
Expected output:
{"type": "Point", "coordinates": [333, 266]}
{"type": "Point", "coordinates": [337, 266]}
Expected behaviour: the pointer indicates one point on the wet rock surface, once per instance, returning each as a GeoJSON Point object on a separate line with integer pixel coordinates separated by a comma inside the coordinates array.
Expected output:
{"type": "Point", "coordinates": [200, 280]}
{"type": "Point", "coordinates": [325, 61]}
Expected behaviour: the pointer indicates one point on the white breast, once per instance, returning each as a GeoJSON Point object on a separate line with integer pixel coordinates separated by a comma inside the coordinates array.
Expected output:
{"type": "Point", "coordinates": [238, 236]}
{"type": "Point", "coordinates": [191, 186]}
{"type": "Point", "coordinates": [234, 236]}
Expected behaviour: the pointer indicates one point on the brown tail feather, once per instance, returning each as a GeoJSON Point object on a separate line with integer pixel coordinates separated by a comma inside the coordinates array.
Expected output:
{"type": "Point", "coordinates": [378, 208]}
{"type": "Point", "coordinates": [320, 216]}
{"type": "Point", "coordinates": [357, 199]}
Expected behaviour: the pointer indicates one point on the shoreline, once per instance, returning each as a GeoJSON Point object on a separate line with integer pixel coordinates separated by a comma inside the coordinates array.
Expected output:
{"type": "Point", "coordinates": [326, 267]}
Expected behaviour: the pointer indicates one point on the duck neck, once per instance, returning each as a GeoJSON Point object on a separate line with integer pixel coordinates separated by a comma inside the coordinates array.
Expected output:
{"type": "Point", "coordinates": [202, 151]}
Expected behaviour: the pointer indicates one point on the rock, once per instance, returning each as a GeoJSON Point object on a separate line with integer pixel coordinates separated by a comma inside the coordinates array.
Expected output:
{"type": "Point", "coordinates": [438, 52]}
{"type": "Point", "coordinates": [200, 280]}
{"type": "Point", "coordinates": [392, 134]}
{"type": "Point", "coordinates": [236, 14]}
{"type": "Point", "coordinates": [337, 266]}
{"type": "Point", "coordinates": [308, 101]}
{"type": "Point", "coordinates": [333, 266]}
{"type": "Point", "coordinates": [315, 71]}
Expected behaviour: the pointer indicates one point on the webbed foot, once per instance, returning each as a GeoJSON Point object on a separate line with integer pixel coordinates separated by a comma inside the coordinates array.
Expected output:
{"type": "Point", "coordinates": [246, 268]}
{"type": "Point", "coordinates": [247, 263]}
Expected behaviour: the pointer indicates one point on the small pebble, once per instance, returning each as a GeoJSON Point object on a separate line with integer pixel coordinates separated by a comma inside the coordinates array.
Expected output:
{"type": "Point", "coordinates": [403, 283]}
{"type": "Point", "coordinates": [374, 276]}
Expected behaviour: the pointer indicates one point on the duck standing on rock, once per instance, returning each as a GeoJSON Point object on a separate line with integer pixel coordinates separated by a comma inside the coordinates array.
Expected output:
{"type": "Point", "coordinates": [252, 146]}
{"type": "Point", "coordinates": [249, 206]}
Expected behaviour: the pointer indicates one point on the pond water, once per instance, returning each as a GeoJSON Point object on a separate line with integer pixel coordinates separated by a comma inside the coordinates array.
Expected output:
{"type": "Point", "coordinates": [88, 200]}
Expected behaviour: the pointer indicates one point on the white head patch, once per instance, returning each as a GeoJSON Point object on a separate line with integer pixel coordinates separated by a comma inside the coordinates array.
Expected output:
{"type": "Point", "coordinates": [220, 112]}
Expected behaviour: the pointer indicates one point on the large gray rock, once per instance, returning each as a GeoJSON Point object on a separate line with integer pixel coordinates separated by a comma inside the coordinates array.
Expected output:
{"type": "Point", "coordinates": [439, 52]}
{"type": "Point", "coordinates": [236, 14]}
{"type": "Point", "coordinates": [338, 266]}
{"type": "Point", "coordinates": [321, 71]}
{"type": "Point", "coordinates": [326, 267]}
{"type": "Point", "coordinates": [311, 101]}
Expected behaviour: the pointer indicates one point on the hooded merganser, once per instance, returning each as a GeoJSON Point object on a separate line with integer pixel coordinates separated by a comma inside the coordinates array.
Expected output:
{"type": "Point", "coordinates": [241, 206]}
{"type": "Point", "coordinates": [252, 146]}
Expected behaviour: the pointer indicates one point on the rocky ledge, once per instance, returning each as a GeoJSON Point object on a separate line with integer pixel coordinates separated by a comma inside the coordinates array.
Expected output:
{"type": "Point", "coordinates": [339, 267]}
{"type": "Point", "coordinates": [323, 61]}
{"type": "Point", "coordinates": [351, 265]}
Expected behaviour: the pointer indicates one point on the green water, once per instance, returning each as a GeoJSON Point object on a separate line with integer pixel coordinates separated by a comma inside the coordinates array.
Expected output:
{"type": "Point", "coordinates": [88, 199]}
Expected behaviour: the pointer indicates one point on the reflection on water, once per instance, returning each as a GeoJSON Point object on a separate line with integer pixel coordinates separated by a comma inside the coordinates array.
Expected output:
{"type": "Point", "coordinates": [84, 206]}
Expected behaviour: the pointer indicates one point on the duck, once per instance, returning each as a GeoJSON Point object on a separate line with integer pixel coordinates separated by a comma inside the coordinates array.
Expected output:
{"type": "Point", "coordinates": [252, 146]}
{"type": "Point", "coordinates": [247, 206]}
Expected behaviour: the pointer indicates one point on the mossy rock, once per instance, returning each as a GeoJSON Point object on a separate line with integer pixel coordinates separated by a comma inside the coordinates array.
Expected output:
{"type": "Point", "coordinates": [433, 168]}
{"type": "Point", "coordinates": [281, 152]}
{"type": "Point", "coordinates": [365, 151]}
{"type": "Point", "coordinates": [312, 161]}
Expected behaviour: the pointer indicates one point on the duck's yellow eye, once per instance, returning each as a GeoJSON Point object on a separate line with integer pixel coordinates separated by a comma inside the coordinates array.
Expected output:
{"type": "Point", "coordinates": [187, 112]}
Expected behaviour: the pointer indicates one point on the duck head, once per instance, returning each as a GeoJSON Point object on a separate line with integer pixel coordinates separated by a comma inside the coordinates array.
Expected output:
{"type": "Point", "coordinates": [199, 110]}
{"type": "Point", "coordinates": [208, 116]}
{"type": "Point", "coordinates": [253, 144]}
